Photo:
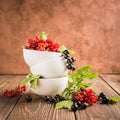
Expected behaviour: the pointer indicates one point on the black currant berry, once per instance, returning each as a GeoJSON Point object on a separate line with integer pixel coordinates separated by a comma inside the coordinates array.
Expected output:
{"type": "Point", "coordinates": [69, 66]}
{"type": "Point", "coordinates": [83, 106]}
{"type": "Point", "coordinates": [66, 56]}
{"type": "Point", "coordinates": [46, 98]}
{"type": "Point", "coordinates": [61, 98]}
{"type": "Point", "coordinates": [78, 103]}
{"type": "Point", "coordinates": [73, 68]}
{"type": "Point", "coordinates": [105, 101]}
{"type": "Point", "coordinates": [51, 100]}
{"type": "Point", "coordinates": [102, 95]}
{"type": "Point", "coordinates": [73, 108]}
{"type": "Point", "coordinates": [29, 98]}
{"type": "Point", "coordinates": [69, 61]}
{"type": "Point", "coordinates": [66, 52]}
{"type": "Point", "coordinates": [57, 99]}
{"type": "Point", "coordinates": [73, 59]}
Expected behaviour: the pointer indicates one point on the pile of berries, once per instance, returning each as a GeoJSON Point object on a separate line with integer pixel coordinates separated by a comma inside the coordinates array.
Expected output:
{"type": "Point", "coordinates": [42, 45]}
{"type": "Point", "coordinates": [55, 99]}
{"type": "Point", "coordinates": [81, 99]}
{"type": "Point", "coordinates": [77, 105]}
{"type": "Point", "coordinates": [48, 99]}
{"type": "Point", "coordinates": [87, 96]}
{"type": "Point", "coordinates": [17, 91]}
{"type": "Point", "coordinates": [69, 60]}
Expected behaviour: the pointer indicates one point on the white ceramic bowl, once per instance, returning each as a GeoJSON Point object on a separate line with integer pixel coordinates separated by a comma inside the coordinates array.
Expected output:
{"type": "Point", "coordinates": [33, 57]}
{"type": "Point", "coordinates": [51, 86]}
{"type": "Point", "coordinates": [55, 67]}
{"type": "Point", "coordinates": [55, 75]}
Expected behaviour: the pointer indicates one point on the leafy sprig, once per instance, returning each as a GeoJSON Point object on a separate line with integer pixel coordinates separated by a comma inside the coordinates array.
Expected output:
{"type": "Point", "coordinates": [114, 100]}
{"type": "Point", "coordinates": [64, 104]}
{"type": "Point", "coordinates": [76, 82]}
{"type": "Point", "coordinates": [62, 48]}
{"type": "Point", "coordinates": [32, 79]}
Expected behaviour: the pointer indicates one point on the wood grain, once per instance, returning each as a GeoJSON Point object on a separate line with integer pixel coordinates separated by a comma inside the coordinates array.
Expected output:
{"type": "Point", "coordinates": [113, 81]}
{"type": "Point", "coordinates": [7, 104]}
{"type": "Point", "coordinates": [38, 110]}
{"type": "Point", "coordinates": [98, 111]}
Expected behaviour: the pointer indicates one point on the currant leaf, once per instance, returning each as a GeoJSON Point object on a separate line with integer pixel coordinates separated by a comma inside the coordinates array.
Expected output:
{"type": "Point", "coordinates": [114, 100]}
{"type": "Point", "coordinates": [43, 36]}
{"type": "Point", "coordinates": [64, 104]}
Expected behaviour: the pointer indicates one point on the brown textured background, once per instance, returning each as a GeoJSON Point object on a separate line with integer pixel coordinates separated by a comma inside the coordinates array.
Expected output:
{"type": "Point", "coordinates": [90, 27]}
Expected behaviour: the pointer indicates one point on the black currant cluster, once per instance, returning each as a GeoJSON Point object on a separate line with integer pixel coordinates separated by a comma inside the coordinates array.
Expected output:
{"type": "Point", "coordinates": [55, 99]}
{"type": "Point", "coordinates": [29, 98]}
{"type": "Point", "coordinates": [104, 98]}
{"type": "Point", "coordinates": [70, 60]}
{"type": "Point", "coordinates": [77, 105]}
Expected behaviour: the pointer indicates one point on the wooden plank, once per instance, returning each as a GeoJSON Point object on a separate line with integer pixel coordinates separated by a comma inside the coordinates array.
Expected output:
{"type": "Point", "coordinates": [3, 80]}
{"type": "Point", "coordinates": [98, 111]}
{"type": "Point", "coordinates": [113, 81]}
{"type": "Point", "coordinates": [38, 110]}
{"type": "Point", "coordinates": [7, 104]}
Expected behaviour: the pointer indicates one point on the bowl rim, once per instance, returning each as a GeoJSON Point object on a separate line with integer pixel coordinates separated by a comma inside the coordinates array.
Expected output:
{"type": "Point", "coordinates": [54, 79]}
{"type": "Point", "coordinates": [24, 49]}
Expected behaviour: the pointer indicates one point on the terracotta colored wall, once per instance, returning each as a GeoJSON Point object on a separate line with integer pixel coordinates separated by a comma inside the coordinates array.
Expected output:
{"type": "Point", "coordinates": [90, 27]}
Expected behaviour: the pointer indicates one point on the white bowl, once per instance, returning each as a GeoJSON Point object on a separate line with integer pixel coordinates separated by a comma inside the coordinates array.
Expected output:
{"type": "Point", "coordinates": [55, 67]}
{"type": "Point", "coordinates": [51, 86]}
{"type": "Point", "coordinates": [33, 57]}
{"type": "Point", "coordinates": [55, 75]}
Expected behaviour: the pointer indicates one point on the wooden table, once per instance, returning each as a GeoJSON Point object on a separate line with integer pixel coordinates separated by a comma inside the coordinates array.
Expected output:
{"type": "Point", "coordinates": [18, 109]}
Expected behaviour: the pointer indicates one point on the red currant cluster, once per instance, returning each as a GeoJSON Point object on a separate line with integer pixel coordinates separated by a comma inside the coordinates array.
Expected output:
{"type": "Point", "coordinates": [42, 45]}
{"type": "Point", "coordinates": [18, 90]}
{"type": "Point", "coordinates": [87, 96]}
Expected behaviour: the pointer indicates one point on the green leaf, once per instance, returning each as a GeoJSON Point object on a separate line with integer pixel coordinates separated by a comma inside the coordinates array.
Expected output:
{"type": "Point", "coordinates": [32, 79]}
{"type": "Point", "coordinates": [67, 90]}
{"type": "Point", "coordinates": [26, 80]}
{"type": "Point", "coordinates": [64, 104]}
{"type": "Point", "coordinates": [90, 75]}
{"type": "Point", "coordinates": [82, 85]}
{"type": "Point", "coordinates": [36, 76]}
{"type": "Point", "coordinates": [62, 48]}
{"type": "Point", "coordinates": [114, 100]}
{"type": "Point", "coordinates": [73, 75]}
{"type": "Point", "coordinates": [76, 81]}
{"type": "Point", "coordinates": [71, 52]}
{"type": "Point", "coordinates": [43, 36]}
{"type": "Point", "coordinates": [84, 69]}
{"type": "Point", "coordinates": [33, 83]}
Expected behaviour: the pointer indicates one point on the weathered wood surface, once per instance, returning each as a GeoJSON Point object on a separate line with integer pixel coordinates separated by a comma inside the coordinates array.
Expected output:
{"type": "Point", "coordinates": [8, 104]}
{"type": "Point", "coordinates": [18, 109]}
{"type": "Point", "coordinates": [98, 111]}
{"type": "Point", "coordinates": [113, 81]}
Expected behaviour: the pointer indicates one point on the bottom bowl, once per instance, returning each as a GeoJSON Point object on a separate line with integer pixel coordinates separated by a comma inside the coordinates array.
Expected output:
{"type": "Point", "coordinates": [50, 86]}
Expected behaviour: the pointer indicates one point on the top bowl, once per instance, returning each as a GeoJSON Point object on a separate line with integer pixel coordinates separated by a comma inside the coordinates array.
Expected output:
{"type": "Point", "coordinates": [33, 57]}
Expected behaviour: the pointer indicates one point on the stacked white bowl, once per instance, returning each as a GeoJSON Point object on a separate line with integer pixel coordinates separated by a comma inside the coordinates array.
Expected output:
{"type": "Point", "coordinates": [51, 66]}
